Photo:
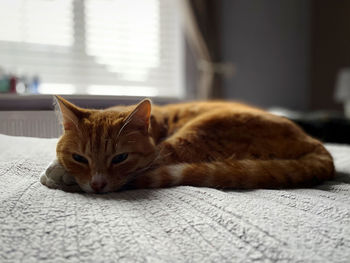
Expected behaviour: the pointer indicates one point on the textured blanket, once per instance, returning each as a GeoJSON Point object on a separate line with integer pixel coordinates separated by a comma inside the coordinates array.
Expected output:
{"type": "Point", "coordinates": [182, 224]}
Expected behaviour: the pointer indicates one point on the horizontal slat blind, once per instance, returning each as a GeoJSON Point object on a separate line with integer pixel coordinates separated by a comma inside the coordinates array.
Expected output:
{"type": "Point", "coordinates": [104, 47]}
{"type": "Point", "coordinates": [37, 21]}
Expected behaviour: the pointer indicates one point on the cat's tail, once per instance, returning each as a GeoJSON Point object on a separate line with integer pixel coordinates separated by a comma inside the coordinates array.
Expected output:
{"type": "Point", "coordinates": [310, 169]}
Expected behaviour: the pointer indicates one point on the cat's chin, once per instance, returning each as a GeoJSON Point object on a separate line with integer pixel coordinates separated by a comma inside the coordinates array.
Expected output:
{"type": "Point", "coordinates": [87, 189]}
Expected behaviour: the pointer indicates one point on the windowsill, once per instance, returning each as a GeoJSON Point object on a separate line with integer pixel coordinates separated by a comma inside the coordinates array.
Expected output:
{"type": "Point", "coordinates": [45, 102]}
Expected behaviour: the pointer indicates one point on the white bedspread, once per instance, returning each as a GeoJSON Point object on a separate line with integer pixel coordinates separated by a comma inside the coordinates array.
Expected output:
{"type": "Point", "coordinates": [182, 224]}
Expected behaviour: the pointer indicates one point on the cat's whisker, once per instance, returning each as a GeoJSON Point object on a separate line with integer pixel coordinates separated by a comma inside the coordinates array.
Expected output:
{"type": "Point", "coordinates": [119, 133]}
{"type": "Point", "coordinates": [122, 128]}
{"type": "Point", "coordinates": [130, 133]}
{"type": "Point", "coordinates": [159, 156]}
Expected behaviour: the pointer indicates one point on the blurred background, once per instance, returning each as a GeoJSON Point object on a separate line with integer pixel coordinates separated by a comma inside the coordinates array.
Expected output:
{"type": "Point", "coordinates": [95, 47]}
{"type": "Point", "coordinates": [288, 56]}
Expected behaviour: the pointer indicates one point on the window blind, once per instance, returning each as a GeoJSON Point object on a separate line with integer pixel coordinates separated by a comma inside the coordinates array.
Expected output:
{"type": "Point", "coordinates": [107, 47]}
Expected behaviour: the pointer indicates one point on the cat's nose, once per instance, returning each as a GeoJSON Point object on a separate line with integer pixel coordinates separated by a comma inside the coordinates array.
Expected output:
{"type": "Point", "coordinates": [98, 183]}
{"type": "Point", "coordinates": [98, 186]}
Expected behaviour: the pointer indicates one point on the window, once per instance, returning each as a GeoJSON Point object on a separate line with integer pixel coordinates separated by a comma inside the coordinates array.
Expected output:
{"type": "Point", "coordinates": [101, 47]}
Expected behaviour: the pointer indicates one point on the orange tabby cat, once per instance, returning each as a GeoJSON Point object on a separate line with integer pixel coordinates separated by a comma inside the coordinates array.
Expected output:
{"type": "Point", "coordinates": [210, 144]}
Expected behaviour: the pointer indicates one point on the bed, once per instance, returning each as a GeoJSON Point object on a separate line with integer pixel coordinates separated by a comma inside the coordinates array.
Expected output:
{"type": "Point", "coordinates": [182, 224]}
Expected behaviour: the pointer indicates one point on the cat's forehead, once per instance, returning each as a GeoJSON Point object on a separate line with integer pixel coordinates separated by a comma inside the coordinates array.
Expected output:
{"type": "Point", "coordinates": [101, 125]}
{"type": "Point", "coordinates": [99, 131]}
{"type": "Point", "coordinates": [106, 118]}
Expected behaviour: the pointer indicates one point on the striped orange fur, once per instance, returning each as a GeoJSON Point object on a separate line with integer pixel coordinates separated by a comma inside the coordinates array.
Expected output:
{"type": "Point", "coordinates": [211, 144]}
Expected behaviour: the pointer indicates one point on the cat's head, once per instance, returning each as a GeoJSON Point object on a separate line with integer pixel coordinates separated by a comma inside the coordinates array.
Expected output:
{"type": "Point", "coordinates": [104, 149]}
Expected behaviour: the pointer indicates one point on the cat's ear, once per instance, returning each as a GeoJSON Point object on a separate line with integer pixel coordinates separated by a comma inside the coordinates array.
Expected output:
{"type": "Point", "coordinates": [139, 118]}
{"type": "Point", "coordinates": [69, 112]}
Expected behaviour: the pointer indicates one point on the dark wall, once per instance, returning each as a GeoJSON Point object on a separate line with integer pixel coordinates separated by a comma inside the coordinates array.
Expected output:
{"type": "Point", "coordinates": [330, 49]}
{"type": "Point", "coordinates": [269, 42]}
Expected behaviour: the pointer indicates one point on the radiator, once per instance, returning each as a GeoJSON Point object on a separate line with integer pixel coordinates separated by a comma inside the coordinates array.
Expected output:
{"type": "Point", "coordinates": [43, 124]}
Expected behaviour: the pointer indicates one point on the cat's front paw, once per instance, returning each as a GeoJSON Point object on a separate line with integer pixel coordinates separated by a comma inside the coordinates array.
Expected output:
{"type": "Point", "coordinates": [56, 177]}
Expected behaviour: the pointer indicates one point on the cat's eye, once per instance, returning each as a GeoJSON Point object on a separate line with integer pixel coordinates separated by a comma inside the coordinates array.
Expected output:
{"type": "Point", "coordinates": [119, 158]}
{"type": "Point", "coordinates": [79, 158]}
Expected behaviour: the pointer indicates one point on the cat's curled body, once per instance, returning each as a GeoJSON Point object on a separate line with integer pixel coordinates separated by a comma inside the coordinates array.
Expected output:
{"type": "Point", "coordinates": [209, 144]}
